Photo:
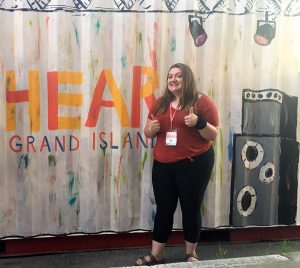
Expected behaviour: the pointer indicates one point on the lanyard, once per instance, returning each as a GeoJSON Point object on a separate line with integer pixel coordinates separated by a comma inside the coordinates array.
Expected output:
{"type": "Point", "coordinates": [172, 116]}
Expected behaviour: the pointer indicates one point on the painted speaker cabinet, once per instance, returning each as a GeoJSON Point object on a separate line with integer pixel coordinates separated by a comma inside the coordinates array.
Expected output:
{"type": "Point", "coordinates": [264, 180]}
{"type": "Point", "coordinates": [269, 112]}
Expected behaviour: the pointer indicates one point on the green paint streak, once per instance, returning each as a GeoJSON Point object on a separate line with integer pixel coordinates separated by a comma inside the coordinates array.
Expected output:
{"type": "Point", "coordinates": [93, 64]}
{"type": "Point", "coordinates": [73, 196]}
{"type": "Point", "coordinates": [115, 181]}
{"type": "Point", "coordinates": [202, 208]}
{"type": "Point", "coordinates": [226, 65]}
{"type": "Point", "coordinates": [124, 177]}
{"type": "Point", "coordinates": [116, 213]}
{"type": "Point", "coordinates": [98, 24]}
{"type": "Point", "coordinates": [73, 200]}
{"type": "Point", "coordinates": [71, 183]}
{"type": "Point", "coordinates": [60, 218]}
{"type": "Point", "coordinates": [142, 166]}
{"type": "Point", "coordinates": [77, 209]}
{"type": "Point", "coordinates": [144, 160]}
{"type": "Point", "coordinates": [30, 22]}
{"type": "Point", "coordinates": [26, 161]}
{"type": "Point", "coordinates": [211, 90]}
{"type": "Point", "coordinates": [253, 61]}
{"type": "Point", "coordinates": [140, 38]}
{"type": "Point", "coordinates": [51, 160]}
{"type": "Point", "coordinates": [173, 45]}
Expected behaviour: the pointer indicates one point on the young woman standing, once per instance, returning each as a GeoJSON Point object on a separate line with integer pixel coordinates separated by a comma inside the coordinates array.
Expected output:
{"type": "Point", "coordinates": [185, 122]}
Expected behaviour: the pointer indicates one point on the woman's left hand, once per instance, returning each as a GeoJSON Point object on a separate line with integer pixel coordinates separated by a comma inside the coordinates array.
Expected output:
{"type": "Point", "coordinates": [191, 119]}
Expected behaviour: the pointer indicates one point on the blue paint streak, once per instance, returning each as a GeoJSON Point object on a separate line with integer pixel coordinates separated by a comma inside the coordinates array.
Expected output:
{"type": "Point", "coordinates": [77, 35]}
{"type": "Point", "coordinates": [123, 61]}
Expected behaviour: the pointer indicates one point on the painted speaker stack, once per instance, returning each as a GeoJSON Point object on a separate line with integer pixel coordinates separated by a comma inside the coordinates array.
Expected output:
{"type": "Point", "coordinates": [265, 161]}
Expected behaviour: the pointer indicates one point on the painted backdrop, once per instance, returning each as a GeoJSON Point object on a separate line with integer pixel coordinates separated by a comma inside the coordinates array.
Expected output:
{"type": "Point", "coordinates": [77, 78]}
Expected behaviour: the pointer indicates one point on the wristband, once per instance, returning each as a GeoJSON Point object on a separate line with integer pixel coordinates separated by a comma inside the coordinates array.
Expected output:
{"type": "Point", "coordinates": [201, 123]}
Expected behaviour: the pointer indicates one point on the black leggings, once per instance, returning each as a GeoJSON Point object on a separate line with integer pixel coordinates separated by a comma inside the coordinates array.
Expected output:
{"type": "Point", "coordinates": [187, 180]}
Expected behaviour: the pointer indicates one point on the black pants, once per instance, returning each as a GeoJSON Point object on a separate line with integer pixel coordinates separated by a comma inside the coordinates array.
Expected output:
{"type": "Point", "coordinates": [187, 181]}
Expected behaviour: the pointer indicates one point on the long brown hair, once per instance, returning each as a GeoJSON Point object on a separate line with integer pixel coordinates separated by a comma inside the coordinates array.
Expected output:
{"type": "Point", "coordinates": [189, 91]}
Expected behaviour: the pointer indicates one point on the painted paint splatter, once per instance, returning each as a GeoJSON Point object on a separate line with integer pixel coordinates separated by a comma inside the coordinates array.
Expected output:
{"type": "Point", "coordinates": [153, 53]}
{"type": "Point", "coordinates": [24, 161]}
{"type": "Point", "coordinates": [71, 182]}
{"type": "Point", "coordinates": [173, 45]}
{"type": "Point", "coordinates": [51, 160]}
{"type": "Point", "coordinates": [60, 217]}
{"type": "Point", "coordinates": [77, 35]}
{"type": "Point", "coordinates": [72, 195]}
{"type": "Point", "coordinates": [73, 200]}
{"type": "Point", "coordinates": [226, 65]}
{"type": "Point", "coordinates": [47, 21]}
{"type": "Point", "coordinates": [98, 25]}
{"type": "Point", "coordinates": [142, 166]}
{"type": "Point", "coordinates": [140, 38]}
{"type": "Point", "coordinates": [123, 61]}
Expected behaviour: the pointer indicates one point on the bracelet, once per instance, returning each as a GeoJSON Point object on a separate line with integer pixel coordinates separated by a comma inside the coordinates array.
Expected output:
{"type": "Point", "coordinates": [201, 123]}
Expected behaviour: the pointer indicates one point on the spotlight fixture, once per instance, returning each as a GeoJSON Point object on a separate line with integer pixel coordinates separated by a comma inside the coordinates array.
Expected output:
{"type": "Point", "coordinates": [265, 31]}
{"type": "Point", "coordinates": [197, 31]}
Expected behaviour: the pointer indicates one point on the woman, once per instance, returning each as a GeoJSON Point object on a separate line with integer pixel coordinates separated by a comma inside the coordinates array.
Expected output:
{"type": "Point", "coordinates": [185, 122]}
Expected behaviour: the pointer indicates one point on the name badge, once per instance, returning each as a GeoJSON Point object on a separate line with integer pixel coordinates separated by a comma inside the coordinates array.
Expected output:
{"type": "Point", "coordinates": [171, 138]}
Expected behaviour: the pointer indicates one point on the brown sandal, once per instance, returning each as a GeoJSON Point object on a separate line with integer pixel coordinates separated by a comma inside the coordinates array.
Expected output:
{"type": "Point", "coordinates": [191, 255]}
{"type": "Point", "coordinates": [152, 261]}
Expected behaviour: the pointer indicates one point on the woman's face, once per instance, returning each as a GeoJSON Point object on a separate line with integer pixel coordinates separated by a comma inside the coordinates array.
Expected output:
{"type": "Point", "coordinates": [175, 81]}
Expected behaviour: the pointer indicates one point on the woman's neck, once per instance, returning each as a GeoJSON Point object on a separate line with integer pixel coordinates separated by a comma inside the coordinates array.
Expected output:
{"type": "Point", "coordinates": [175, 102]}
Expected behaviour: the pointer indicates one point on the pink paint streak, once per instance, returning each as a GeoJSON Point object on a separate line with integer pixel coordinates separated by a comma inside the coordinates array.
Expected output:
{"type": "Point", "coordinates": [153, 54]}
{"type": "Point", "coordinates": [47, 21]}
{"type": "Point", "coordinates": [38, 54]}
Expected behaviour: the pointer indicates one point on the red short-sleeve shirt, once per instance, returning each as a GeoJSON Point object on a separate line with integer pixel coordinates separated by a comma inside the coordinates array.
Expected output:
{"type": "Point", "coordinates": [189, 141]}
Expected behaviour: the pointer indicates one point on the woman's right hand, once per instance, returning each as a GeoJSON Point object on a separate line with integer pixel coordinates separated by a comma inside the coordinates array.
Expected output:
{"type": "Point", "coordinates": [152, 127]}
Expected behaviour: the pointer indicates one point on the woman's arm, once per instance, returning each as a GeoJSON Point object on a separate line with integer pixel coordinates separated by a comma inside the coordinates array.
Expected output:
{"type": "Point", "coordinates": [209, 132]}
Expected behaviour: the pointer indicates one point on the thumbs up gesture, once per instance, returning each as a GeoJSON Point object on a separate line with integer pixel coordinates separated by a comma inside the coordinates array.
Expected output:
{"type": "Point", "coordinates": [154, 125]}
{"type": "Point", "coordinates": [191, 119]}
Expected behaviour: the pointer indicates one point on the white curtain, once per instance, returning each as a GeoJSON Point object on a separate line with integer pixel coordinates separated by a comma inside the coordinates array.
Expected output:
{"type": "Point", "coordinates": [77, 78]}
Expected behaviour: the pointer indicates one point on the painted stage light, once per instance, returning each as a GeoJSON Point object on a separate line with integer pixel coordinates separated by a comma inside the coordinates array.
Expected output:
{"type": "Point", "coordinates": [265, 31]}
{"type": "Point", "coordinates": [197, 31]}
